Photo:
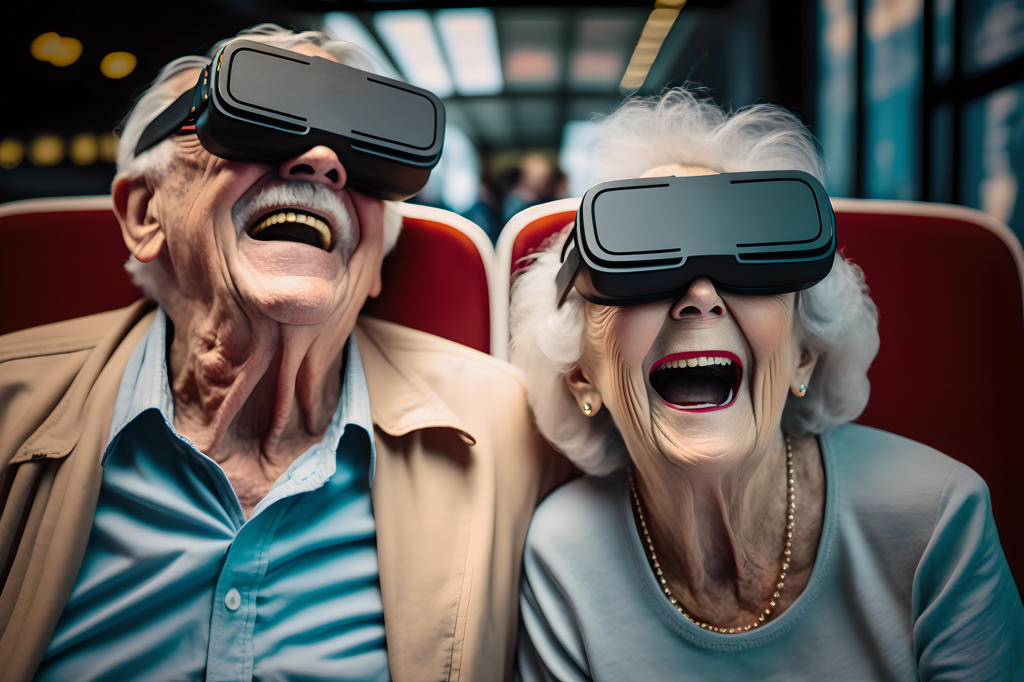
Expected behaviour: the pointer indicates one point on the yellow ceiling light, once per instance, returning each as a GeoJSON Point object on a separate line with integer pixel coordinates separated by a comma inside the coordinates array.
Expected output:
{"type": "Point", "coordinates": [630, 82]}
{"type": "Point", "coordinates": [108, 148]}
{"type": "Point", "coordinates": [118, 64]}
{"type": "Point", "coordinates": [45, 45]}
{"type": "Point", "coordinates": [46, 150]}
{"type": "Point", "coordinates": [56, 49]}
{"type": "Point", "coordinates": [69, 52]}
{"type": "Point", "coordinates": [11, 153]}
{"type": "Point", "coordinates": [645, 51]}
{"type": "Point", "coordinates": [662, 17]}
{"type": "Point", "coordinates": [84, 149]}
{"type": "Point", "coordinates": [658, 25]}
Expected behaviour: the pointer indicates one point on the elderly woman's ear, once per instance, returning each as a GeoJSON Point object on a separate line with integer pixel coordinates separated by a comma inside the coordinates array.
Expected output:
{"type": "Point", "coordinates": [804, 370]}
{"type": "Point", "coordinates": [140, 227]}
{"type": "Point", "coordinates": [586, 394]}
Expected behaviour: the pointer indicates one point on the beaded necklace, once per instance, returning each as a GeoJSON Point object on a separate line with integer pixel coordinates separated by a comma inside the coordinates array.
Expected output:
{"type": "Point", "coordinates": [786, 553]}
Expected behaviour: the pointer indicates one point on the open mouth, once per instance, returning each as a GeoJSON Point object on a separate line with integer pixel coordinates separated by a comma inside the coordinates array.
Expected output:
{"type": "Point", "coordinates": [697, 380]}
{"type": "Point", "coordinates": [292, 225]}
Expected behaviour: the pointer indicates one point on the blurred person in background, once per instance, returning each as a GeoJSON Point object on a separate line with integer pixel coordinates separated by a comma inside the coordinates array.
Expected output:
{"type": "Point", "coordinates": [535, 180]}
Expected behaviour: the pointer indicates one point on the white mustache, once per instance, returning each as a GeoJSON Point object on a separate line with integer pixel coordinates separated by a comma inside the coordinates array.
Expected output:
{"type": "Point", "coordinates": [309, 195]}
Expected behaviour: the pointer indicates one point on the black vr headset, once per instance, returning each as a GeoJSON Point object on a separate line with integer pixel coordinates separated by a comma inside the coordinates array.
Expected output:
{"type": "Point", "coordinates": [254, 102]}
{"type": "Point", "coordinates": [644, 239]}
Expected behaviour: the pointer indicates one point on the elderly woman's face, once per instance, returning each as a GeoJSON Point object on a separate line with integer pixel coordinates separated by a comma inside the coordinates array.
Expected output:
{"type": "Point", "coordinates": [702, 377]}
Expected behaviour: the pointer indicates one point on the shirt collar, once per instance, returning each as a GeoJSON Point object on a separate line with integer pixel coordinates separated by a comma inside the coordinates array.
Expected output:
{"type": "Point", "coordinates": [145, 385]}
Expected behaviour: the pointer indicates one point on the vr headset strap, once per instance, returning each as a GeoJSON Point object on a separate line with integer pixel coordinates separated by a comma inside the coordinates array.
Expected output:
{"type": "Point", "coordinates": [570, 267]}
{"type": "Point", "coordinates": [171, 118]}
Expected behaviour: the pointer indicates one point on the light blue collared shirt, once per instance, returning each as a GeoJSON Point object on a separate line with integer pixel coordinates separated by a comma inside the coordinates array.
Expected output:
{"type": "Point", "coordinates": [177, 584]}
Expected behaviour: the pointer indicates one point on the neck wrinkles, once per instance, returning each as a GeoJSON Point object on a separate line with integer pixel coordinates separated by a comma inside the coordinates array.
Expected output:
{"type": "Point", "coordinates": [719, 534]}
{"type": "Point", "coordinates": [248, 387]}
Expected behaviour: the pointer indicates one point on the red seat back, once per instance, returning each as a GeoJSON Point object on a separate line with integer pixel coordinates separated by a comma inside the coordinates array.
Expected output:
{"type": "Point", "coordinates": [437, 278]}
{"type": "Point", "coordinates": [947, 281]}
{"type": "Point", "coordinates": [63, 258]}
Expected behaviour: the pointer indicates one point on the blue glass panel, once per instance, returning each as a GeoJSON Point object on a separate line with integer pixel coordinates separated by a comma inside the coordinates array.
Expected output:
{"type": "Point", "coordinates": [992, 175]}
{"type": "Point", "coordinates": [942, 54]}
{"type": "Point", "coordinates": [993, 33]}
{"type": "Point", "coordinates": [837, 100]}
{"type": "Point", "coordinates": [940, 172]}
{"type": "Point", "coordinates": [893, 78]}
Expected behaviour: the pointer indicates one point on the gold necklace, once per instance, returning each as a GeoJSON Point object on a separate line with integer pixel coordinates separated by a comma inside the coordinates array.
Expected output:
{"type": "Point", "coordinates": [786, 553]}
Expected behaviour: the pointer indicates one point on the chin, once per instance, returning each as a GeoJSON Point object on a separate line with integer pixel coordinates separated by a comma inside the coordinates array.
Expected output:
{"type": "Point", "coordinates": [297, 300]}
{"type": "Point", "coordinates": [716, 441]}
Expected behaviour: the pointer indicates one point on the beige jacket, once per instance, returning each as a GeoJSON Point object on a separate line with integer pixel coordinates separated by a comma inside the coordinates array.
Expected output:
{"type": "Point", "coordinates": [459, 471]}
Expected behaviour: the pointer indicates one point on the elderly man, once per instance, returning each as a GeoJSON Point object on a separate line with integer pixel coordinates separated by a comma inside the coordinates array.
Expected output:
{"type": "Point", "coordinates": [249, 480]}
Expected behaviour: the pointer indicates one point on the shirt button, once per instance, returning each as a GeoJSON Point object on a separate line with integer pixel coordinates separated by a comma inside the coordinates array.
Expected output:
{"type": "Point", "coordinates": [232, 600]}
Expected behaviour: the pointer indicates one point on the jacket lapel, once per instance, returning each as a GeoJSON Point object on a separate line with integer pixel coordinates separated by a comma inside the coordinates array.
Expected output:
{"type": "Point", "coordinates": [421, 501]}
{"type": "Point", "coordinates": [71, 421]}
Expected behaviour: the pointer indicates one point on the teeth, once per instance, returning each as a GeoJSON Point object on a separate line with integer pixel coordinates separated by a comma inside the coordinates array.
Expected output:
{"type": "Point", "coordinates": [300, 218]}
{"type": "Point", "coordinates": [701, 361]}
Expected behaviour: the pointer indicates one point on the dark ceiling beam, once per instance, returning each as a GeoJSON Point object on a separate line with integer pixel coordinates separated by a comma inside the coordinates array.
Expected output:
{"type": "Point", "coordinates": [571, 40]}
{"type": "Point", "coordinates": [277, 7]}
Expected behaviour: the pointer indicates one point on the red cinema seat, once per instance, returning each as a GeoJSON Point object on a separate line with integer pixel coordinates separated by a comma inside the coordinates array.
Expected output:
{"type": "Point", "coordinates": [437, 278]}
{"type": "Point", "coordinates": [950, 372]}
{"type": "Point", "coordinates": [64, 257]}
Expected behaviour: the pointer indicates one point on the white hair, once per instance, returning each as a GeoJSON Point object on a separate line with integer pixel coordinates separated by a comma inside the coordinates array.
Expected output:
{"type": "Point", "coordinates": [835, 318]}
{"type": "Point", "coordinates": [154, 163]}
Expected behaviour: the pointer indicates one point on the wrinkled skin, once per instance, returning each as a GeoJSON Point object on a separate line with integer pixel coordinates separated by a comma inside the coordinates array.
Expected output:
{"type": "Point", "coordinates": [259, 327]}
{"type": "Point", "coordinates": [713, 482]}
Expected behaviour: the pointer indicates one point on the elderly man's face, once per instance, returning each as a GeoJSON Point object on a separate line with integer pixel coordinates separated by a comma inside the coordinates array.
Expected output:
{"type": "Point", "coordinates": [290, 242]}
{"type": "Point", "coordinates": [698, 377]}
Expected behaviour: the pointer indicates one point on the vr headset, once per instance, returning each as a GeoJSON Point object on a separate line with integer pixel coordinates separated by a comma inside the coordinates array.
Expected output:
{"type": "Point", "coordinates": [254, 102]}
{"type": "Point", "coordinates": [645, 239]}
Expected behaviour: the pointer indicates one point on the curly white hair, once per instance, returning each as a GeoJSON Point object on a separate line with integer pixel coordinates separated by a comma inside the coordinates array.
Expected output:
{"type": "Point", "coordinates": [835, 318]}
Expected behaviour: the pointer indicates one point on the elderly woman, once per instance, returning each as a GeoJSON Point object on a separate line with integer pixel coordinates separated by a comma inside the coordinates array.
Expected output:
{"type": "Point", "coordinates": [732, 522]}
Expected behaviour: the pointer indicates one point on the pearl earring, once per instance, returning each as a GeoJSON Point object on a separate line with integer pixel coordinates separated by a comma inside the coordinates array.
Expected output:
{"type": "Point", "coordinates": [587, 409]}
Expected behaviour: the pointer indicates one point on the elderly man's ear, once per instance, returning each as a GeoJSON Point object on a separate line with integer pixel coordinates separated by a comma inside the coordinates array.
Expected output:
{"type": "Point", "coordinates": [588, 398]}
{"type": "Point", "coordinates": [142, 232]}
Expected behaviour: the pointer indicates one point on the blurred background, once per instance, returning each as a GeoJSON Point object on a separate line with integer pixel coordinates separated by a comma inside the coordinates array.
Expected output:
{"type": "Point", "coordinates": [910, 99]}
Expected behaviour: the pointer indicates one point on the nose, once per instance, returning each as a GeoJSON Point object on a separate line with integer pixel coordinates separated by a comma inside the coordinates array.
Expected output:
{"type": "Point", "coordinates": [317, 164]}
{"type": "Point", "coordinates": [700, 301]}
